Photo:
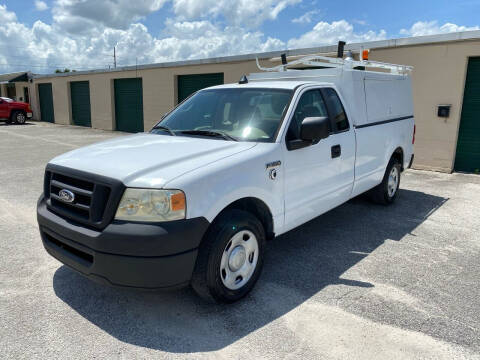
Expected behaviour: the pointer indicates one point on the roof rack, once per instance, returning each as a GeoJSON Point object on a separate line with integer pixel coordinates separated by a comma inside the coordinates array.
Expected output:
{"type": "Point", "coordinates": [331, 62]}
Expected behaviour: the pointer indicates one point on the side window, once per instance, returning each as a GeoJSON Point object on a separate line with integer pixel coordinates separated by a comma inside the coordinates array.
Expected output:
{"type": "Point", "coordinates": [336, 108]}
{"type": "Point", "coordinates": [311, 104]}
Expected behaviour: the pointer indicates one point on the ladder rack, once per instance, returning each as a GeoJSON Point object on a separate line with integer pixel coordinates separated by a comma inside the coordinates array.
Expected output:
{"type": "Point", "coordinates": [331, 62]}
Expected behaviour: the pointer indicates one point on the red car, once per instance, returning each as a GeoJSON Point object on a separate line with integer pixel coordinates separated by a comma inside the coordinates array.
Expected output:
{"type": "Point", "coordinates": [14, 111]}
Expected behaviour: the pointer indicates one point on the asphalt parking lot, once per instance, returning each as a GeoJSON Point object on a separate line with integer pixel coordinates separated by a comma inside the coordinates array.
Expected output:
{"type": "Point", "coordinates": [362, 281]}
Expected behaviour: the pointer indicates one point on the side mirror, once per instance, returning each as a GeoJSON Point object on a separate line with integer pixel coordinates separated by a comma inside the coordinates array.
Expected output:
{"type": "Point", "coordinates": [315, 128]}
{"type": "Point", "coordinates": [312, 130]}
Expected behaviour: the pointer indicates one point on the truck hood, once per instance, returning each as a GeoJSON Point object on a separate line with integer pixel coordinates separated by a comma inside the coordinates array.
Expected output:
{"type": "Point", "coordinates": [149, 160]}
{"type": "Point", "coordinates": [18, 104]}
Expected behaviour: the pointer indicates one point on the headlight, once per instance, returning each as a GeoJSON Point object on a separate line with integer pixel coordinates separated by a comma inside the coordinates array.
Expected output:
{"type": "Point", "coordinates": [151, 205]}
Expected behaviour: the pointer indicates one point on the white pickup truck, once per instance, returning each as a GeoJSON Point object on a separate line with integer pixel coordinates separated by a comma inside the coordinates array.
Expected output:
{"type": "Point", "coordinates": [194, 200]}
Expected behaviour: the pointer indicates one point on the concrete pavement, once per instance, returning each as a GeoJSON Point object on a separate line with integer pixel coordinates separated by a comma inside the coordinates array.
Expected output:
{"type": "Point", "coordinates": [362, 281]}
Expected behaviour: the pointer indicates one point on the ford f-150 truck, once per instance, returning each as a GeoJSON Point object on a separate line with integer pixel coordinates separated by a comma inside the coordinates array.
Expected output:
{"type": "Point", "coordinates": [194, 200]}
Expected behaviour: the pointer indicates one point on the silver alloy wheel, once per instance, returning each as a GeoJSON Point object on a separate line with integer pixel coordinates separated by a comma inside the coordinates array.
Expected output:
{"type": "Point", "coordinates": [20, 118]}
{"type": "Point", "coordinates": [239, 260]}
{"type": "Point", "coordinates": [393, 179]}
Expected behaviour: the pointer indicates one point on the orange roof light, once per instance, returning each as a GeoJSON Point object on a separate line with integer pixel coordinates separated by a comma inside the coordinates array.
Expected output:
{"type": "Point", "coordinates": [365, 54]}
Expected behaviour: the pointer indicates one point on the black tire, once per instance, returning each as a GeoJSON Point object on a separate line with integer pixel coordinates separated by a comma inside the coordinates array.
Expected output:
{"type": "Point", "coordinates": [380, 194]}
{"type": "Point", "coordinates": [19, 117]}
{"type": "Point", "coordinates": [207, 278]}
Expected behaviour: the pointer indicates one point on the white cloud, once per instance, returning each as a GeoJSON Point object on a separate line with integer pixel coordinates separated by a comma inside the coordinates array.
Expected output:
{"type": "Point", "coordinates": [306, 18]}
{"type": "Point", "coordinates": [201, 39]}
{"type": "Point", "coordinates": [81, 16]}
{"type": "Point", "coordinates": [41, 5]}
{"type": "Point", "coordinates": [324, 33]}
{"type": "Point", "coordinates": [245, 13]}
{"type": "Point", "coordinates": [6, 16]}
{"type": "Point", "coordinates": [431, 27]}
{"type": "Point", "coordinates": [43, 48]}
{"type": "Point", "coordinates": [189, 29]}
{"type": "Point", "coordinates": [360, 22]}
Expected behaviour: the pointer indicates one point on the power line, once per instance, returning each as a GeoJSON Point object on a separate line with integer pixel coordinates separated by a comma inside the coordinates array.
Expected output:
{"type": "Point", "coordinates": [16, 47]}
{"type": "Point", "coordinates": [38, 57]}
{"type": "Point", "coordinates": [51, 66]}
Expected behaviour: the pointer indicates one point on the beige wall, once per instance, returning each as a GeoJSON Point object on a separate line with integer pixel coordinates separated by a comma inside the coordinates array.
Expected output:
{"type": "Point", "coordinates": [438, 78]}
{"type": "Point", "coordinates": [18, 90]}
{"type": "Point", "coordinates": [34, 100]}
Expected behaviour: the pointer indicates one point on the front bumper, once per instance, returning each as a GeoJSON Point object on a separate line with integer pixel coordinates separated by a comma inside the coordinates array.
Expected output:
{"type": "Point", "coordinates": [29, 115]}
{"type": "Point", "coordinates": [139, 255]}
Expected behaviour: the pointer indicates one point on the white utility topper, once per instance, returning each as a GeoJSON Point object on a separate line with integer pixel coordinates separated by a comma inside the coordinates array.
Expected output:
{"type": "Point", "coordinates": [194, 200]}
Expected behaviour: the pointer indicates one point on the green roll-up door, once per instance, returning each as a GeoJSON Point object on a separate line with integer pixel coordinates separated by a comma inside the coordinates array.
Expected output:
{"type": "Point", "coordinates": [188, 84]}
{"type": "Point", "coordinates": [46, 102]}
{"type": "Point", "coordinates": [80, 95]}
{"type": "Point", "coordinates": [129, 104]}
{"type": "Point", "coordinates": [468, 144]}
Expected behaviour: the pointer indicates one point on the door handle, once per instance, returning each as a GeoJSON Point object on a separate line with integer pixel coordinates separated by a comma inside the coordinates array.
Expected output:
{"type": "Point", "coordinates": [336, 151]}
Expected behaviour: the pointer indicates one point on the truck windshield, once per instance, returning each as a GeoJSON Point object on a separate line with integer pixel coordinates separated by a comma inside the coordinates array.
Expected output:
{"type": "Point", "coordinates": [237, 114]}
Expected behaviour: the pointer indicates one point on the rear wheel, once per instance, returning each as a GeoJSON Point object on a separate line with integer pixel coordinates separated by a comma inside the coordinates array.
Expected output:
{"type": "Point", "coordinates": [19, 117]}
{"type": "Point", "coordinates": [230, 258]}
{"type": "Point", "coordinates": [386, 192]}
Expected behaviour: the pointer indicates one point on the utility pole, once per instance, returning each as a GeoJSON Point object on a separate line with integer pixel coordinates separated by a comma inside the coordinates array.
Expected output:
{"type": "Point", "coordinates": [114, 58]}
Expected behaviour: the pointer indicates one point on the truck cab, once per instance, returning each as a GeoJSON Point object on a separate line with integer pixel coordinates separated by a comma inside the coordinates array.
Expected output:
{"type": "Point", "coordinates": [194, 200]}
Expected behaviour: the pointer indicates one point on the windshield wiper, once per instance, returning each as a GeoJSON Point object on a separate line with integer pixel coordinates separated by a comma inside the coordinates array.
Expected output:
{"type": "Point", "coordinates": [211, 133]}
{"type": "Point", "coordinates": [165, 128]}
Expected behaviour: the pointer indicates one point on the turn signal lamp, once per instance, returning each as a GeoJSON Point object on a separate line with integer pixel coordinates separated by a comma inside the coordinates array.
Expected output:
{"type": "Point", "coordinates": [178, 201]}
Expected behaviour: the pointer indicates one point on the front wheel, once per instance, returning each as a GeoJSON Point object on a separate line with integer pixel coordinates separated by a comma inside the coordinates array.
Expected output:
{"type": "Point", "coordinates": [19, 117]}
{"type": "Point", "coordinates": [230, 258]}
{"type": "Point", "coordinates": [386, 192]}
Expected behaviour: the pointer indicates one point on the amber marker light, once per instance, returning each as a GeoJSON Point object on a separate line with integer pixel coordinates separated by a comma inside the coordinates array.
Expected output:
{"type": "Point", "coordinates": [178, 201]}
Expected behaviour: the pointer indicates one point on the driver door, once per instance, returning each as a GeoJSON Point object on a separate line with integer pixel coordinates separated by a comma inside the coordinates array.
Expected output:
{"type": "Point", "coordinates": [311, 183]}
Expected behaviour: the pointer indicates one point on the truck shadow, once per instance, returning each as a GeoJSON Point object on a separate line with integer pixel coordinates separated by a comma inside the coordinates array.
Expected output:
{"type": "Point", "coordinates": [299, 265]}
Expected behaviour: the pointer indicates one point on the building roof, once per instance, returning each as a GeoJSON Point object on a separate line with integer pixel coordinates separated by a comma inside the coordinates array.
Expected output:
{"type": "Point", "coordinates": [15, 77]}
{"type": "Point", "coordinates": [391, 43]}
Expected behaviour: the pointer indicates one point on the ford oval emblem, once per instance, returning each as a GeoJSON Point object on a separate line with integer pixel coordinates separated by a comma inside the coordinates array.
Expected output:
{"type": "Point", "coordinates": [66, 195]}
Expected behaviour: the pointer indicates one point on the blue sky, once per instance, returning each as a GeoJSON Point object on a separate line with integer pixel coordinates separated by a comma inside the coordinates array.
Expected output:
{"type": "Point", "coordinates": [391, 16]}
{"type": "Point", "coordinates": [81, 33]}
